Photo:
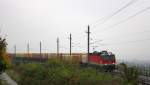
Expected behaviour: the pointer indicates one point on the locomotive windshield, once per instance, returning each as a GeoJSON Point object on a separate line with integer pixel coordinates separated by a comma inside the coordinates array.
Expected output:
{"type": "Point", "coordinates": [106, 55]}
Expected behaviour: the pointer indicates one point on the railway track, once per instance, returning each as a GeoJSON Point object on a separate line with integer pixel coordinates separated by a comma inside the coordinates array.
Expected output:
{"type": "Point", "coordinates": [144, 80]}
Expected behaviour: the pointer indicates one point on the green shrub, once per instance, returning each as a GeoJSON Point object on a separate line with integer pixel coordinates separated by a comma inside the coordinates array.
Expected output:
{"type": "Point", "coordinates": [0, 82]}
{"type": "Point", "coordinates": [130, 74]}
{"type": "Point", "coordinates": [62, 73]}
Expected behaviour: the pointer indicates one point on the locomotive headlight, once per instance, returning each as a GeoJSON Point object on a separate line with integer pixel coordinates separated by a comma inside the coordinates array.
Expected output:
{"type": "Point", "coordinates": [105, 64]}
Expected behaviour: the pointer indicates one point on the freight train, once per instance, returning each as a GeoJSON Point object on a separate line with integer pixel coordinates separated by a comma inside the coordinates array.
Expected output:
{"type": "Point", "coordinates": [103, 59]}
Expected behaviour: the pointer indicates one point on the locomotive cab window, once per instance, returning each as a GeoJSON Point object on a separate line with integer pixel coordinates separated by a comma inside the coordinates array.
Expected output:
{"type": "Point", "coordinates": [106, 55]}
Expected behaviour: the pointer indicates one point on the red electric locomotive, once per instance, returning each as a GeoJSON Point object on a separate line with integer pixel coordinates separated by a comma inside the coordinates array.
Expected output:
{"type": "Point", "coordinates": [102, 59]}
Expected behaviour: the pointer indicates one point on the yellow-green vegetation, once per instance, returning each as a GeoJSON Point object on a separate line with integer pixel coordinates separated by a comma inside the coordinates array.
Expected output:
{"type": "Point", "coordinates": [61, 73]}
{"type": "Point", "coordinates": [4, 60]}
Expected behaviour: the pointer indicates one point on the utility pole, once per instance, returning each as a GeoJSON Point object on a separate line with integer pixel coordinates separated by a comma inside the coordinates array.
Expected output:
{"type": "Point", "coordinates": [40, 52]}
{"type": "Point", "coordinates": [88, 42]}
{"type": "Point", "coordinates": [57, 46]}
{"type": "Point", "coordinates": [15, 50]}
{"type": "Point", "coordinates": [28, 49]}
{"type": "Point", "coordinates": [70, 43]}
{"type": "Point", "coordinates": [40, 49]}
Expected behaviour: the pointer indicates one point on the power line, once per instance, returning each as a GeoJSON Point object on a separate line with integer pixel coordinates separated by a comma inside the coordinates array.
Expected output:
{"type": "Point", "coordinates": [128, 42]}
{"type": "Point", "coordinates": [125, 20]}
{"type": "Point", "coordinates": [109, 17]}
{"type": "Point", "coordinates": [118, 11]}
{"type": "Point", "coordinates": [131, 34]}
{"type": "Point", "coordinates": [96, 42]}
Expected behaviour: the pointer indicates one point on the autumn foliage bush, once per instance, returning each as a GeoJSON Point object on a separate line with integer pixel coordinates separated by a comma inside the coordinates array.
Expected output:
{"type": "Point", "coordinates": [4, 59]}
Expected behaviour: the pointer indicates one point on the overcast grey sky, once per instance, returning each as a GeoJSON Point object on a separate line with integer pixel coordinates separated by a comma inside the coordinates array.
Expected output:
{"type": "Point", "coordinates": [44, 20]}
